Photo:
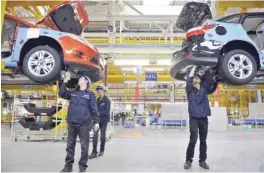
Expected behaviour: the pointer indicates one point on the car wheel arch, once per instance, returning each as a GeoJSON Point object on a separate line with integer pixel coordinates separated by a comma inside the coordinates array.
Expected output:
{"type": "Point", "coordinates": [244, 45]}
{"type": "Point", "coordinates": [41, 41]}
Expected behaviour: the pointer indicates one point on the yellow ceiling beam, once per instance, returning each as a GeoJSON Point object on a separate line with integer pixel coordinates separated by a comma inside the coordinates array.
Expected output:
{"type": "Point", "coordinates": [9, 10]}
{"type": "Point", "coordinates": [42, 88]}
{"type": "Point", "coordinates": [223, 5]}
{"type": "Point", "coordinates": [34, 12]}
{"type": "Point", "coordinates": [33, 3]}
{"type": "Point", "coordinates": [37, 10]}
{"type": "Point", "coordinates": [243, 87]}
{"type": "Point", "coordinates": [117, 40]}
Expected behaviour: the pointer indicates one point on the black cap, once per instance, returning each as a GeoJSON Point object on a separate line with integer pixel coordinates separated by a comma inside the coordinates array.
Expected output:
{"type": "Point", "coordinates": [99, 88]}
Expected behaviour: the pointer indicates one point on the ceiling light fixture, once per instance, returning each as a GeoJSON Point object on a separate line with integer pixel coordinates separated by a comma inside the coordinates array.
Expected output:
{"type": "Point", "coordinates": [154, 69]}
{"type": "Point", "coordinates": [156, 2]}
{"type": "Point", "coordinates": [130, 82]}
{"type": "Point", "coordinates": [128, 69]}
{"type": "Point", "coordinates": [132, 62]}
{"type": "Point", "coordinates": [163, 62]}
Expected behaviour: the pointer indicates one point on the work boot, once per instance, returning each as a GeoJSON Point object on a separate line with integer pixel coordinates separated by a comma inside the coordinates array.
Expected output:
{"type": "Point", "coordinates": [101, 153]}
{"type": "Point", "coordinates": [204, 165]}
{"type": "Point", "coordinates": [187, 164]}
{"type": "Point", "coordinates": [66, 169]}
{"type": "Point", "coordinates": [93, 155]}
{"type": "Point", "coordinates": [82, 170]}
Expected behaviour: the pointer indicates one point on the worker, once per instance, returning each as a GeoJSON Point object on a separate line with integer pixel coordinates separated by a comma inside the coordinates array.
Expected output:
{"type": "Point", "coordinates": [197, 89]}
{"type": "Point", "coordinates": [103, 104]}
{"type": "Point", "coordinates": [82, 116]}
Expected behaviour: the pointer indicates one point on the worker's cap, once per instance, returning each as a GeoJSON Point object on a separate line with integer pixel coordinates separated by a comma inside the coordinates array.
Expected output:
{"type": "Point", "coordinates": [100, 88]}
{"type": "Point", "coordinates": [86, 78]}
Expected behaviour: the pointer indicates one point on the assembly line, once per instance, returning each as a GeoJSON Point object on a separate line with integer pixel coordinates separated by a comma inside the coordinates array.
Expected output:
{"type": "Point", "coordinates": [132, 86]}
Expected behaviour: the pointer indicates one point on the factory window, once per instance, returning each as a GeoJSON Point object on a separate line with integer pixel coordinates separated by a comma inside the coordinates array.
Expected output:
{"type": "Point", "coordinates": [251, 23]}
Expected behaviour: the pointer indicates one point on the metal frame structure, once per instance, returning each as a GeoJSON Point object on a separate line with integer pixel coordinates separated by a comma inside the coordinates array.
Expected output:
{"type": "Point", "coordinates": [17, 132]}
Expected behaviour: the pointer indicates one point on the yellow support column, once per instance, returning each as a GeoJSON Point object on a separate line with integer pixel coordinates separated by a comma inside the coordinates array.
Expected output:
{"type": "Point", "coordinates": [3, 6]}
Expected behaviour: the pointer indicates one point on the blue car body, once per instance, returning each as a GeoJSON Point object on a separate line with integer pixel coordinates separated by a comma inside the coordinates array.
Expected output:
{"type": "Point", "coordinates": [24, 35]}
{"type": "Point", "coordinates": [207, 42]}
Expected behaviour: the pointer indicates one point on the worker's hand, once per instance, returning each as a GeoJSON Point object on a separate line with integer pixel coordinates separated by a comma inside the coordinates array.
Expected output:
{"type": "Point", "coordinates": [211, 70]}
{"type": "Point", "coordinates": [96, 127]}
{"type": "Point", "coordinates": [191, 74]}
{"type": "Point", "coordinates": [66, 76]}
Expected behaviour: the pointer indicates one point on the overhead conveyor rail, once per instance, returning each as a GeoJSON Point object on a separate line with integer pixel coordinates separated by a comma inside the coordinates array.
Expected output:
{"type": "Point", "coordinates": [16, 80]}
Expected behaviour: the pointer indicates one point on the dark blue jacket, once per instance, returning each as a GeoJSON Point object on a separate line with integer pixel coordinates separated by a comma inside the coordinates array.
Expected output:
{"type": "Point", "coordinates": [198, 103]}
{"type": "Point", "coordinates": [82, 107]}
{"type": "Point", "coordinates": [104, 105]}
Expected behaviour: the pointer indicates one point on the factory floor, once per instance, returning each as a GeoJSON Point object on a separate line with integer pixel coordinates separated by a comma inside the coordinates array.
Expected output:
{"type": "Point", "coordinates": [141, 150]}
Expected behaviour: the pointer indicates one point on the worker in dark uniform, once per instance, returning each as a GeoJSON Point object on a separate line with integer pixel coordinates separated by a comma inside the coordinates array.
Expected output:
{"type": "Point", "coordinates": [82, 116]}
{"type": "Point", "coordinates": [197, 89]}
{"type": "Point", "coordinates": [103, 104]}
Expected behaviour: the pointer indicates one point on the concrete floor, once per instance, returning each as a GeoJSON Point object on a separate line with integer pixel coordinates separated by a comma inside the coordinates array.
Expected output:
{"type": "Point", "coordinates": [141, 150]}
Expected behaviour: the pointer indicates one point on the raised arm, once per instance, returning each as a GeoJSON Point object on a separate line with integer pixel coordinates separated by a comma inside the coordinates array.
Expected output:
{"type": "Point", "coordinates": [64, 92]}
{"type": "Point", "coordinates": [189, 81]}
{"type": "Point", "coordinates": [189, 84]}
{"type": "Point", "coordinates": [94, 109]}
{"type": "Point", "coordinates": [208, 80]}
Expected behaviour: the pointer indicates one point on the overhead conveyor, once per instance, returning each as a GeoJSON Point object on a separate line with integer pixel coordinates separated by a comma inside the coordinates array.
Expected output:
{"type": "Point", "coordinates": [13, 79]}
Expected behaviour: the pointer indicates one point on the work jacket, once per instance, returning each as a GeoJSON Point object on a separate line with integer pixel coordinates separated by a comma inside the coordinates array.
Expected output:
{"type": "Point", "coordinates": [198, 103]}
{"type": "Point", "coordinates": [104, 105]}
{"type": "Point", "coordinates": [82, 107]}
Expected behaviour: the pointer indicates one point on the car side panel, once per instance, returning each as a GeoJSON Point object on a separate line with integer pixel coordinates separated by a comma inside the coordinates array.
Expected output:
{"type": "Point", "coordinates": [25, 34]}
{"type": "Point", "coordinates": [72, 47]}
{"type": "Point", "coordinates": [261, 55]}
{"type": "Point", "coordinates": [233, 32]}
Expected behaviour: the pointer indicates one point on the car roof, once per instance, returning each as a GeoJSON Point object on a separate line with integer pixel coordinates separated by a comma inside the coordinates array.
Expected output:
{"type": "Point", "coordinates": [248, 14]}
{"type": "Point", "coordinates": [242, 14]}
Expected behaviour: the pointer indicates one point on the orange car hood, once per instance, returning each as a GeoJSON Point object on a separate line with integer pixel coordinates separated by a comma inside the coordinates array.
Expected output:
{"type": "Point", "coordinates": [70, 16]}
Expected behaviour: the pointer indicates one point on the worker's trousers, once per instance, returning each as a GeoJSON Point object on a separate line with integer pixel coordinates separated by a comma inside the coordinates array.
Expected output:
{"type": "Point", "coordinates": [102, 129]}
{"type": "Point", "coordinates": [197, 125]}
{"type": "Point", "coordinates": [81, 130]}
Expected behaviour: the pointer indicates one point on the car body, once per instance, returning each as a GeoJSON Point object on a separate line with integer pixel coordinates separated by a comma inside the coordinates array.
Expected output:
{"type": "Point", "coordinates": [54, 44]}
{"type": "Point", "coordinates": [231, 45]}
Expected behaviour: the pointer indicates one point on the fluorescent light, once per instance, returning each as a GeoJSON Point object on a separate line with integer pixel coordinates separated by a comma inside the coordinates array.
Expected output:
{"type": "Point", "coordinates": [156, 2]}
{"type": "Point", "coordinates": [154, 10]}
{"type": "Point", "coordinates": [140, 62]}
{"type": "Point", "coordinates": [130, 82]}
{"type": "Point", "coordinates": [180, 82]}
{"type": "Point", "coordinates": [128, 69]}
{"type": "Point", "coordinates": [163, 62]}
{"type": "Point", "coordinates": [154, 69]}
